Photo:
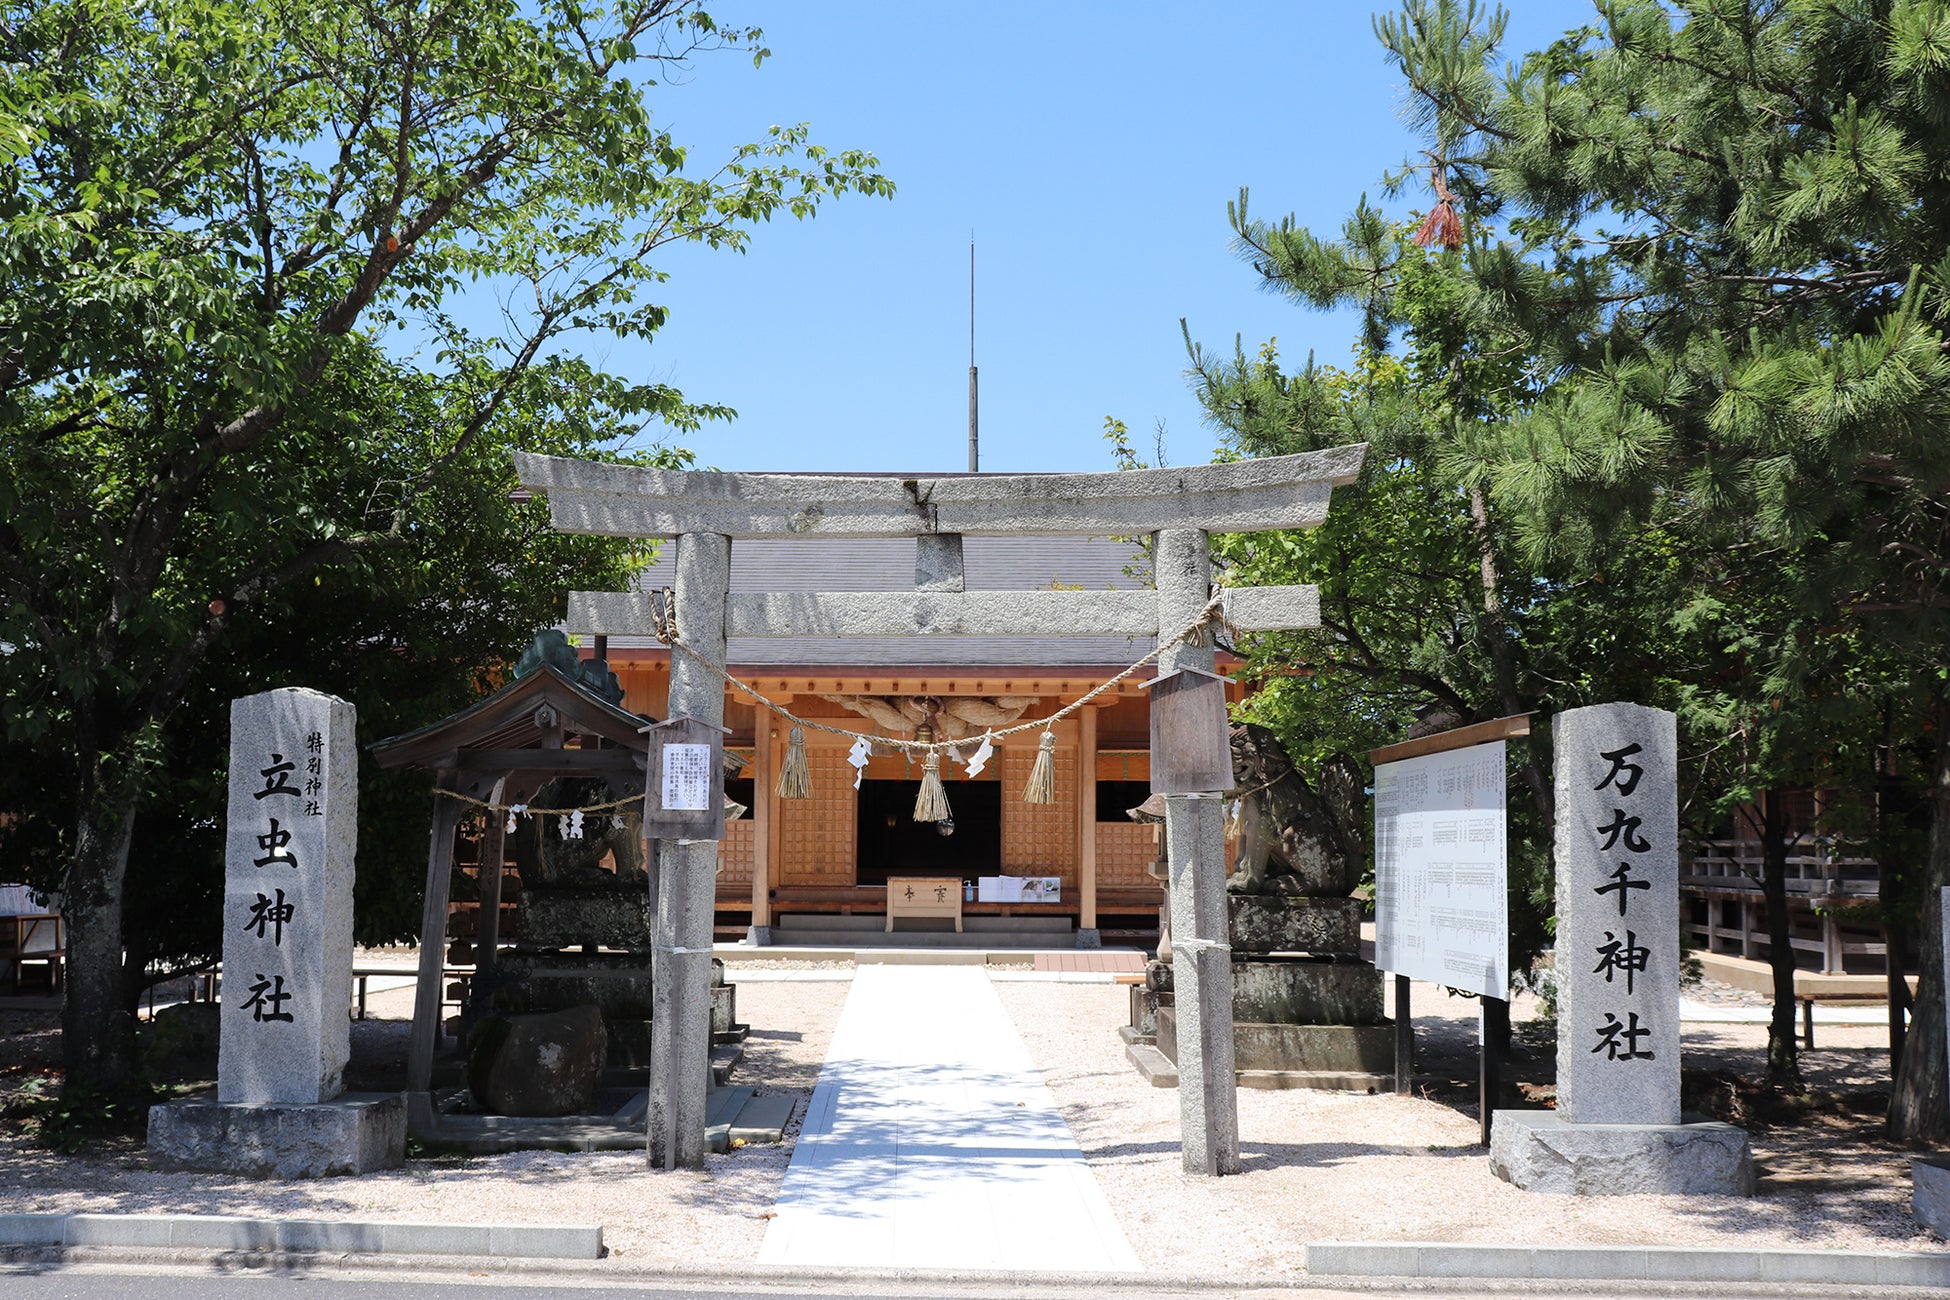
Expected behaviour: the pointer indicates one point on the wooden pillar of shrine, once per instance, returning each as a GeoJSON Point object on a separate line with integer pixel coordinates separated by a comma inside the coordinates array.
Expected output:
{"type": "Point", "coordinates": [1087, 932]}
{"type": "Point", "coordinates": [764, 801]}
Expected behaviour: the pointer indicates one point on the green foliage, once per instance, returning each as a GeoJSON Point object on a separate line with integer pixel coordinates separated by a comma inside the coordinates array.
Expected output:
{"type": "Point", "coordinates": [247, 439]}
{"type": "Point", "coordinates": [72, 1120]}
{"type": "Point", "coordinates": [1725, 237]}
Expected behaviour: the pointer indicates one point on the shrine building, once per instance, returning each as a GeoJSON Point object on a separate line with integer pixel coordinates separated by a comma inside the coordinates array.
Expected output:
{"type": "Point", "coordinates": [793, 862]}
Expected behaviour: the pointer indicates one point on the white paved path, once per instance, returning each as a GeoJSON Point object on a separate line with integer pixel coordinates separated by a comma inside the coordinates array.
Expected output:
{"type": "Point", "coordinates": [932, 1142]}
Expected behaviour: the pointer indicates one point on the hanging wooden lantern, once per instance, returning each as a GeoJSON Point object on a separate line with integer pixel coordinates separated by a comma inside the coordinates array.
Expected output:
{"type": "Point", "coordinates": [1191, 738]}
{"type": "Point", "coordinates": [684, 781]}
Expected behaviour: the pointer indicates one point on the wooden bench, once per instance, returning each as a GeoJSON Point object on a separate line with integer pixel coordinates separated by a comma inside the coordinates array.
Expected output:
{"type": "Point", "coordinates": [923, 896]}
{"type": "Point", "coordinates": [39, 939]}
{"type": "Point", "coordinates": [1808, 1000]}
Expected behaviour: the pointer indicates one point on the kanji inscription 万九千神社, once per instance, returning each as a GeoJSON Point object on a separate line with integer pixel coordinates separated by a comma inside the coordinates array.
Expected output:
{"type": "Point", "coordinates": [1618, 915]}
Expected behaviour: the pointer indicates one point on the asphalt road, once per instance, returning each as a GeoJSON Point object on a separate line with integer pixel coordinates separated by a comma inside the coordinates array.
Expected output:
{"type": "Point", "coordinates": [124, 1282]}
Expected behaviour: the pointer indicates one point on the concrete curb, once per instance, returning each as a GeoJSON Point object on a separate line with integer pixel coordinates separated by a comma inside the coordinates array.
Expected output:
{"type": "Point", "coordinates": [1447, 1261]}
{"type": "Point", "coordinates": [302, 1236]}
{"type": "Point", "coordinates": [879, 1281]}
{"type": "Point", "coordinates": [562, 1251]}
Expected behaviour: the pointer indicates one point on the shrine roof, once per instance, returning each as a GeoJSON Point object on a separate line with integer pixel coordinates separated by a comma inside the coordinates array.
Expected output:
{"type": "Point", "coordinates": [506, 720]}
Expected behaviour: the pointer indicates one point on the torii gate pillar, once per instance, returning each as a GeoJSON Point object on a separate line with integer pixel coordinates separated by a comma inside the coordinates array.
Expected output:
{"type": "Point", "coordinates": [1201, 960]}
{"type": "Point", "coordinates": [687, 878]}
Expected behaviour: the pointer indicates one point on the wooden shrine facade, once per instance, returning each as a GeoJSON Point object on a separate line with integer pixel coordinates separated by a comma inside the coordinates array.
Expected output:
{"type": "Point", "coordinates": [832, 852]}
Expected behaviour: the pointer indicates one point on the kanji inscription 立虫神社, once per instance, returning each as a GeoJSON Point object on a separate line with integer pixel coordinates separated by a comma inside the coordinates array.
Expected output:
{"type": "Point", "coordinates": [287, 928]}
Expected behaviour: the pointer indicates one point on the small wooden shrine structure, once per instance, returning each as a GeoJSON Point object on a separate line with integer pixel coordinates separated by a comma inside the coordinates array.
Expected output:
{"type": "Point", "coordinates": [557, 718]}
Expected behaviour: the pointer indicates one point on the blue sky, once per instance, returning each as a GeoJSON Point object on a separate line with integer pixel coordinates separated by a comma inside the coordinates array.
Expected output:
{"type": "Point", "coordinates": [1091, 149]}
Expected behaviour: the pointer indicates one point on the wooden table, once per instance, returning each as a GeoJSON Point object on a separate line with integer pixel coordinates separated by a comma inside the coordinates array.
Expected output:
{"type": "Point", "coordinates": [923, 896]}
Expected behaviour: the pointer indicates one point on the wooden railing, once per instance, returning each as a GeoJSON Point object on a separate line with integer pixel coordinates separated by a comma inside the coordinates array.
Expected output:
{"type": "Point", "coordinates": [1723, 909]}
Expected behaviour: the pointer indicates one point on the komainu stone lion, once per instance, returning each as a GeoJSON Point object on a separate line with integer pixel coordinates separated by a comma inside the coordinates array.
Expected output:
{"type": "Point", "coordinates": [1294, 839]}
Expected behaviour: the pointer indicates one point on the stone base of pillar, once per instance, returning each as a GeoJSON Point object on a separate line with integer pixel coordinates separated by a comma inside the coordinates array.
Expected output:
{"type": "Point", "coordinates": [1092, 938]}
{"type": "Point", "coordinates": [1929, 1198]}
{"type": "Point", "coordinates": [1540, 1152]}
{"type": "Point", "coordinates": [758, 936]}
{"type": "Point", "coordinates": [1359, 1058]}
{"type": "Point", "coordinates": [354, 1134]}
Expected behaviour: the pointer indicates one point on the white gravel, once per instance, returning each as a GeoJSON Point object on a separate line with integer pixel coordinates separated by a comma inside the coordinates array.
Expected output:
{"type": "Point", "coordinates": [1317, 1165]}
{"type": "Point", "coordinates": [1347, 1166]}
{"type": "Point", "coordinates": [718, 1215]}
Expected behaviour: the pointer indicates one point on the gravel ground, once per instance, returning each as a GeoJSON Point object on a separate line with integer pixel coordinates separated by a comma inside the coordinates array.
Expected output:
{"type": "Point", "coordinates": [1320, 1165]}
{"type": "Point", "coordinates": [1317, 1165]}
{"type": "Point", "coordinates": [719, 1214]}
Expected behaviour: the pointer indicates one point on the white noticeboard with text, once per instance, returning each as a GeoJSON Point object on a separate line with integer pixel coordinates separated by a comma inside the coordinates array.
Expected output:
{"type": "Point", "coordinates": [687, 777]}
{"type": "Point", "coordinates": [1441, 841]}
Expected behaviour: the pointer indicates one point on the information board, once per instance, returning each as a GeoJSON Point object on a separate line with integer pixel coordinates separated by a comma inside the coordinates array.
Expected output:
{"type": "Point", "coordinates": [1441, 840]}
{"type": "Point", "coordinates": [687, 778]}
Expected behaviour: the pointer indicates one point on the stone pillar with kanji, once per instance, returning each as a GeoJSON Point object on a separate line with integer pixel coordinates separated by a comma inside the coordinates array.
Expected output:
{"type": "Point", "coordinates": [1618, 1127]}
{"type": "Point", "coordinates": [287, 910]}
{"type": "Point", "coordinates": [284, 1026]}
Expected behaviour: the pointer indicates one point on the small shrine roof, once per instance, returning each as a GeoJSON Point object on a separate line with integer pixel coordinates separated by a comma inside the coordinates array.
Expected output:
{"type": "Point", "coordinates": [506, 720]}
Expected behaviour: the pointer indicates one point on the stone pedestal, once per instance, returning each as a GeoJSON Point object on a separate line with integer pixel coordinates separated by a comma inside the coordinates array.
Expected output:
{"type": "Point", "coordinates": [1929, 1201]}
{"type": "Point", "coordinates": [617, 983]}
{"type": "Point", "coordinates": [614, 916]}
{"type": "Point", "coordinates": [1540, 1151]}
{"type": "Point", "coordinates": [1306, 992]}
{"type": "Point", "coordinates": [1294, 923]}
{"type": "Point", "coordinates": [355, 1133]}
{"type": "Point", "coordinates": [1357, 1058]}
{"type": "Point", "coordinates": [1306, 1011]}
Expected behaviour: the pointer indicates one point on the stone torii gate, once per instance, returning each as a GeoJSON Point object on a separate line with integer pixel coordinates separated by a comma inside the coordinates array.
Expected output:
{"type": "Point", "coordinates": [706, 512]}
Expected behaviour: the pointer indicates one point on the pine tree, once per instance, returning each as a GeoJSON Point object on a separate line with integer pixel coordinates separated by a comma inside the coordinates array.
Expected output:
{"type": "Point", "coordinates": [1728, 229]}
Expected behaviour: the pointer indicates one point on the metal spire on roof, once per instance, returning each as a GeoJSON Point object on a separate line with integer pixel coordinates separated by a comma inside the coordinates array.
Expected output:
{"type": "Point", "coordinates": [974, 421]}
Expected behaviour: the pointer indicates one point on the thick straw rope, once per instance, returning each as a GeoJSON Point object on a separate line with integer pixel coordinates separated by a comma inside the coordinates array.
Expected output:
{"type": "Point", "coordinates": [666, 631]}
{"type": "Point", "coordinates": [530, 808]}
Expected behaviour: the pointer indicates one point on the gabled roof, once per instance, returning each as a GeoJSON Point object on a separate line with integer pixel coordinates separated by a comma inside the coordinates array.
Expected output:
{"type": "Point", "coordinates": [505, 720]}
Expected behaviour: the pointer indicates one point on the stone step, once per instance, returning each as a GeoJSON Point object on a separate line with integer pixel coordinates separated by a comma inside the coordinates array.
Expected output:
{"type": "Point", "coordinates": [721, 1107]}
{"type": "Point", "coordinates": [904, 938]}
{"type": "Point", "coordinates": [763, 1119]}
{"type": "Point", "coordinates": [634, 1112]}
{"type": "Point", "coordinates": [1155, 1067]}
{"type": "Point", "coordinates": [799, 922]}
{"type": "Point", "coordinates": [724, 1057]}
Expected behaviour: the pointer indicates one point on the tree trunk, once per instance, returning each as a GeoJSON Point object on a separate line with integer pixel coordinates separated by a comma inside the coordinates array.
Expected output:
{"type": "Point", "coordinates": [1503, 662]}
{"type": "Point", "coordinates": [1895, 961]}
{"type": "Point", "coordinates": [97, 1026]}
{"type": "Point", "coordinates": [1783, 1048]}
{"type": "Point", "coordinates": [1919, 1102]}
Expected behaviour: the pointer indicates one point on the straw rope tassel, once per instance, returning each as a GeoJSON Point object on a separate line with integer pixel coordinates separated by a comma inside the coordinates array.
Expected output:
{"type": "Point", "coordinates": [1042, 777]}
{"type": "Point", "coordinates": [931, 804]}
{"type": "Point", "coordinates": [795, 776]}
